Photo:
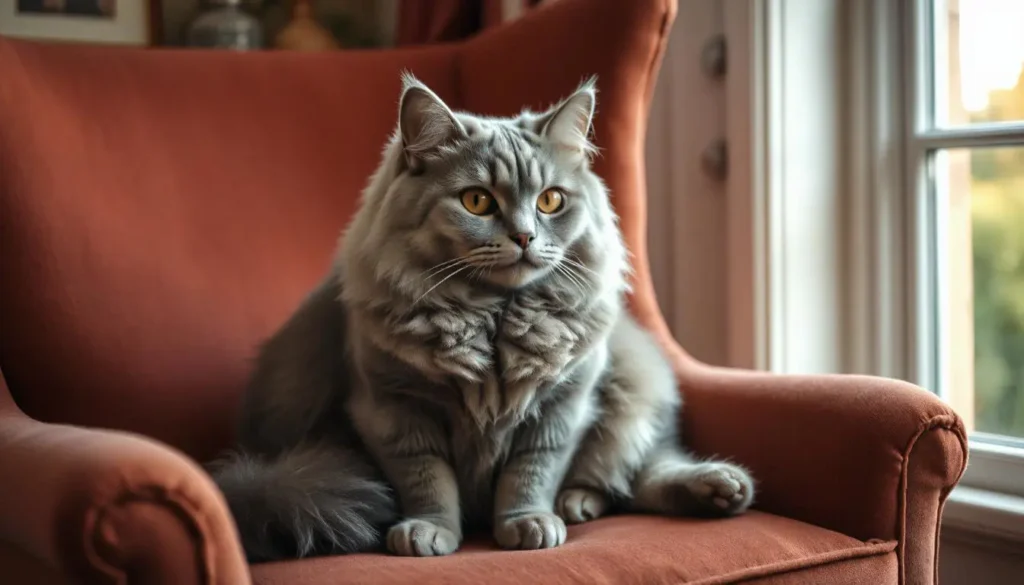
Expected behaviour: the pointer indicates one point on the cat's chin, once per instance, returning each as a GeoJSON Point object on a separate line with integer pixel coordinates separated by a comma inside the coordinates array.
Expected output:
{"type": "Point", "coordinates": [516, 275]}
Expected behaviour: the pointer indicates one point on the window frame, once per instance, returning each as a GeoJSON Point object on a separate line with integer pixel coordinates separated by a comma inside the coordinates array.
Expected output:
{"type": "Point", "coordinates": [994, 466]}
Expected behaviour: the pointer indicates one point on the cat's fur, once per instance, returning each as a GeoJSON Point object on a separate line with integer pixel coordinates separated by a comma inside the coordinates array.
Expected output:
{"type": "Point", "coordinates": [442, 378]}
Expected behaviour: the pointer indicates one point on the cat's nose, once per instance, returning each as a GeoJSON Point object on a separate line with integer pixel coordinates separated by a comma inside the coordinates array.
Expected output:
{"type": "Point", "coordinates": [522, 239]}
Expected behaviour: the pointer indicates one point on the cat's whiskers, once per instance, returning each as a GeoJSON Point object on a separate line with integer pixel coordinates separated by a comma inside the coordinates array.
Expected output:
{"type": "Point", "coordinates": [458, 268]}
{"type": "Point", "coordinates": [564, 271]}
{"type": "Point", "coordinates": [580, 276]}
{"type": "Point", "coordinates": [561, 271]}
{"type": "Point", "coordinates": [440, 267]}
{"type": "Point", "coordinates": [478, 270]}
{"type": "Point", "coordinates": [580, 265]}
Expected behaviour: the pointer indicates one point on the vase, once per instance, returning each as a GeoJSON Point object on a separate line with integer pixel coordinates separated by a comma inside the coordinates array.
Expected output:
{"type": "Point", "coordinates": [303, 32]}
{"type": "Point", "coordinates": [224, 24]}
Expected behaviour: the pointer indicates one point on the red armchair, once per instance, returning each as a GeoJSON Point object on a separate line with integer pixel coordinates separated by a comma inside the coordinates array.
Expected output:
{"type": "Point", "coordinates": [163, 211]}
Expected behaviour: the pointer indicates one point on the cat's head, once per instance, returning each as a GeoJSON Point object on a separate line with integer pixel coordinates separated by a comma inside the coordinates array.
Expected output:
{"type": "Point", "coordinates": [503, 203]}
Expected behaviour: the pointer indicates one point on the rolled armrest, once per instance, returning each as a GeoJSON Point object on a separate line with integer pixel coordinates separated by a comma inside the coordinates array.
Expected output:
{"type": "Point", "coordinates": [111, 507]}
{"type": "Point", "coordinates": [869, 457]}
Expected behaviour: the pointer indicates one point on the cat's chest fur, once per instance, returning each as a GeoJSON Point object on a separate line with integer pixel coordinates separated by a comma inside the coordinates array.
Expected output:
{"type": "Point", "coordinates": [496, 357]}
{"type": "Point", "coordinates": [535, 341]}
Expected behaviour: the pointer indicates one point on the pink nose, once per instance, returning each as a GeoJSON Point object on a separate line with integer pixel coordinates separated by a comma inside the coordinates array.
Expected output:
{"type": "Point", "coordinates": [522, 240]}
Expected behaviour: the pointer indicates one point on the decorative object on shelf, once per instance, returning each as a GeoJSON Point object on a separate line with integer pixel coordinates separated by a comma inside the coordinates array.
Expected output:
{"type": "Point", "coordinates": [352, 23]}
{"type": "Point", "coordinates": [224, 24]}
{"type": "Point", "coordinates": [115, 22]}
{"type": "Point", "coordinates": [303, 32]}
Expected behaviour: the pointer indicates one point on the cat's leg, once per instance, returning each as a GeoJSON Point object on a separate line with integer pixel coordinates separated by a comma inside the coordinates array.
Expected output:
{"type": "Point", "coordinates": [412, 449]}
{"type": "Point", "coordinates": [673, 482]}
{"type": "Point", "coordinates": [429, 498]}
{"type": "Point", "coordinates": [638, 405]}
{"type": "Point", "coordinates": [524, 515]}
{"type": "Point", "coordinates": [610, 455]}
{"type": "Point", "coordinates": [524, 512]}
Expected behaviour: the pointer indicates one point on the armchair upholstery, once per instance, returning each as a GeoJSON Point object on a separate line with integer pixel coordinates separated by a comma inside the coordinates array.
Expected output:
{"type": "Point", "coordinates": [163, 211]}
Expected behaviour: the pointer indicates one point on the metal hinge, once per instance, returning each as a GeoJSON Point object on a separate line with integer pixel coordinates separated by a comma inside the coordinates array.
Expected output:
{"type": "Point", "coordinates": [713, 60]}
{"type": "Point", "coordinates": [713, 57]}
{"type": "Point", "coordinates": [714, 159]}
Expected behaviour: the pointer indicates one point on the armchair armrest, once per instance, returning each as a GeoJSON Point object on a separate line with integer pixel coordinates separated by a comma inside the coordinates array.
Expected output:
{"type": "Point", "coordinates": [870, 457]}
{"type": "Point", "coordinates": [111, 507]}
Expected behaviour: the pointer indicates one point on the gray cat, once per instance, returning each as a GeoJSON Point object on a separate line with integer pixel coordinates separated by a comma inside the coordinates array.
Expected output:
{"type": "Point", "coordinates": [467, 362]}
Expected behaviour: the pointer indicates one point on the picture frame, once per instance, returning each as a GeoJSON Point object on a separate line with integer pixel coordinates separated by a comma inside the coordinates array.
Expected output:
{"type": "Point", "coordinates": [114, 22]}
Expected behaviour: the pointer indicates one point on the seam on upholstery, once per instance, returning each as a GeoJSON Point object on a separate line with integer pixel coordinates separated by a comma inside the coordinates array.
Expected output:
{"type": "Point", "coordinates": [947, 422]}
{"type": "Point", "coordinates": [868, 549]}
{"type": "Point", "coordinates": [961, 434]}
{"type": "Point", "coordinates": [181, 507]}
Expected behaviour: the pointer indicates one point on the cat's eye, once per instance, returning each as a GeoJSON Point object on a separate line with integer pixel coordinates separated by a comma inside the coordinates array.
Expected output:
{"type": "Point", "coordinates": [479, 202]}
{"type": "Point", "coordinates": [550, 201]}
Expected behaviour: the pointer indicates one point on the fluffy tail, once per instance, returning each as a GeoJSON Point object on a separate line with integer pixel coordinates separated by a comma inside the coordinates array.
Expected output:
{"type": "Point", "coordinates": [315, 499]}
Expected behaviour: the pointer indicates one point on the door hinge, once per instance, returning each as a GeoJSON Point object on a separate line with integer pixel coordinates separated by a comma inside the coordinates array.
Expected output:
{"type": "Point", "coordinates": [713, 57]}
{"type": "Point", "coordinates": [715, 159]}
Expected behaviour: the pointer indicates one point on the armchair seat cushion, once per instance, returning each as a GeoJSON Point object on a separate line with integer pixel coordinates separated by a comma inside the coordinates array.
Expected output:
{"type": "Point", "coordinates": [756, 547]}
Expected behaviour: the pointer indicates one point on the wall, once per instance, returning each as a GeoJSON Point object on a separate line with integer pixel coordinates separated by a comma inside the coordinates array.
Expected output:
{"type": "Point", "coordinates": [687, 207]}
{"type": "Point", "coordinates": [971, 559]}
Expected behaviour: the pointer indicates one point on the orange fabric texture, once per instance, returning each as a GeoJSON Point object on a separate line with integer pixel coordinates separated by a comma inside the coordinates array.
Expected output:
{"type": "Point", "coordinates": [163, 211]}
{"type": "Point", "coordinates": [106, 505]}
{"type": "Point", "coordinates": [630, 549]}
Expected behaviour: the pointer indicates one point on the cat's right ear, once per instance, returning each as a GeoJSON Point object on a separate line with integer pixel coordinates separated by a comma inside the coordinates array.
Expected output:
{"type": "Point", "coordinates": [424, 121]}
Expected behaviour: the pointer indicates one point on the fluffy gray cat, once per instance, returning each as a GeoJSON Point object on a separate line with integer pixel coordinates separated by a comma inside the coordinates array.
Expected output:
{"type": "Point", "coordinates": [467, 362]}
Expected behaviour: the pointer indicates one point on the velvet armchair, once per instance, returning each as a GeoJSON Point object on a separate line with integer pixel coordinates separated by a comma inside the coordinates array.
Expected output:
{"type": "Point", "coordinates": [162, 211]}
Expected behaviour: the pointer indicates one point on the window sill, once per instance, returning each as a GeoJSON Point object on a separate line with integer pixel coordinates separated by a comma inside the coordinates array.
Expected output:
{"type": "Point", "coordinates": [985, 513]}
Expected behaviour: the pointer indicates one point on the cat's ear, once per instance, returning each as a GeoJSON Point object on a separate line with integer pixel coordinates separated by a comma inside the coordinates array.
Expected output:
{"type": "Point", "coordinates": [569, 123]}
{"type": "Point", "coordinates": [425, 122]}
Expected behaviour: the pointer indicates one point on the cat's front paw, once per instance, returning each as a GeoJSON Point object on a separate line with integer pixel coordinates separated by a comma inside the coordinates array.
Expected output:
{"type": "Point", "coordinates": [721, 487]}
{"type": "Point", "coordinates": [530, 531]}
{"type": "Point", "coordinates": [576, 505]}
{"type": "Point", "coordinates": [420, 538]}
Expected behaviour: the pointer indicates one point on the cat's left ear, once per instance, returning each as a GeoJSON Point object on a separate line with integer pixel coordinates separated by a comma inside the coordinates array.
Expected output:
{"type": "Point", "coordinates": [425, 122]}
{"type": "Point", "coordinates": [569, 123]}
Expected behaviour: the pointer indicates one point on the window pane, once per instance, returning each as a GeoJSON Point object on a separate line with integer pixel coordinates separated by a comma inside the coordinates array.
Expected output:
{"type": "Point", "coordinates": [983, 308]}
{"type": "Point", "coordinates": [979, 53]}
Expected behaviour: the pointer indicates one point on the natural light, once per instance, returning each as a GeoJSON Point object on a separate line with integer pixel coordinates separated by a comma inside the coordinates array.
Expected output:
{"type": "Point", "coordinates": [991, 48]}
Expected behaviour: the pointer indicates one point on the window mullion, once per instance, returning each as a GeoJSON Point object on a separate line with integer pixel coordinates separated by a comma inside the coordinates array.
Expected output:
{"type": "Point", "coordinates": [975, 136]}
{"type": "Point", "coordinates": [920, 295]}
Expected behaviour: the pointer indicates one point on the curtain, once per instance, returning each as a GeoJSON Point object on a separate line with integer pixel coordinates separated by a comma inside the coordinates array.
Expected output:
{"type": "Point", "coordinates": [437, 21]}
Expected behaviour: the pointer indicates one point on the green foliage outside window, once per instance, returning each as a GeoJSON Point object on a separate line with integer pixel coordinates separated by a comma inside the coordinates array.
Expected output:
{"type": "Point", "coordinates": [997, 208]}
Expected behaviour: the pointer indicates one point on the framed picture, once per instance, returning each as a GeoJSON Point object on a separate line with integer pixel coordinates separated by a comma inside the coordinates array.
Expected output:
{"type": "Point", "coordinates": [120, 22]}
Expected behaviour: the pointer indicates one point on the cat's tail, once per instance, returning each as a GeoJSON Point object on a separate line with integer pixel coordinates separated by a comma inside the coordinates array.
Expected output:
{"type": "Point", "coordinates": [313, 499]}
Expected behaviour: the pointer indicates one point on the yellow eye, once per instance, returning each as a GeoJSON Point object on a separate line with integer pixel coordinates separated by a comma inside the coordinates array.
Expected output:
{"type": "Point", "coordinates": [550, 201]}
{"type": "Point", "coordinates": [479, 202]}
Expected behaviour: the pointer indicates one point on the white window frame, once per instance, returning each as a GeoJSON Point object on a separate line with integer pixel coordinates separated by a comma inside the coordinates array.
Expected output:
{"type": "Point", "coordinates": [994, 467]}
{"type": "Point", "coordinates": [884, 228]}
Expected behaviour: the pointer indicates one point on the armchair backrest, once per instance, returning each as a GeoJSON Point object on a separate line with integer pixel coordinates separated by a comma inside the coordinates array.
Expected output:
{"type": "Point", "coordinates": [162, 211]}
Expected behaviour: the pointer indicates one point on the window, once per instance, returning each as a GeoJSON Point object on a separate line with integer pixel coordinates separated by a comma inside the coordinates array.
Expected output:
{"type": "Point", "coordinates": [965, 157]}
{"type": "Point", "coordinates": [876, 207]}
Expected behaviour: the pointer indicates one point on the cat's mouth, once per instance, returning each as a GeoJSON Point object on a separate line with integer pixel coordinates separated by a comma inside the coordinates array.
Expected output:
{"type": "Point", "coordinates": [517, 272]}
{"type": "Point", "coordinates": [527, 260]}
